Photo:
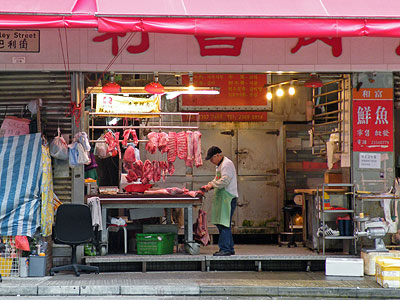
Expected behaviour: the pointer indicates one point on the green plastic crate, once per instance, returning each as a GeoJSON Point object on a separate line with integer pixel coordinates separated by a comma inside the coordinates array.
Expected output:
{"type": "Point", "coordinates": [155, 243]}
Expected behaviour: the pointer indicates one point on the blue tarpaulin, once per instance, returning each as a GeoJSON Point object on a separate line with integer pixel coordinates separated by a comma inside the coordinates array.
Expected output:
{"type": "Point", "coordinates": [20, 181]}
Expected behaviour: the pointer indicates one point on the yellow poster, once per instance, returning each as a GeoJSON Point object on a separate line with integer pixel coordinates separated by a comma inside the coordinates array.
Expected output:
{"type": "Point", "coordinates": [106, 103]}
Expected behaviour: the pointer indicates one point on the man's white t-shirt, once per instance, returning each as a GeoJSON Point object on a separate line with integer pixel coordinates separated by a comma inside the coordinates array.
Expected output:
{"type": "Point", "coordinates": [228, 178]}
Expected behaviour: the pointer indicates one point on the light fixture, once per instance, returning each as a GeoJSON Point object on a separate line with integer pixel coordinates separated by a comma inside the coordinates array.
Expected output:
{"type": "Point", "coordinates": [313, 82]}
{"type": "Point", "coordinates": [111, 87]}
{"type": "Point", "coordinates": [191, 85]}
{"type": "Point", "coordinates": [279, 92]}
{"type": "Point", "coordinates": [292, 91]}
{"type": "Point", "coordinates": [195, 91]}
{"type": "Point", "coordinates": [155, 87]}
{"type": "Point", "coordinates": [269, 94]}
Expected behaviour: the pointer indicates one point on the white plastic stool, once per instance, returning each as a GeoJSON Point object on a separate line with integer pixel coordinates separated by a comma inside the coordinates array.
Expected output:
{"type": "Point", "coordinates": [125, 235]}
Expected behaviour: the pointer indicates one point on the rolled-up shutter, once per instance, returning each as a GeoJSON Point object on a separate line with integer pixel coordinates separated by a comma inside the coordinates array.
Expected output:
{"type": "Point", "coordinates": [18, 88]}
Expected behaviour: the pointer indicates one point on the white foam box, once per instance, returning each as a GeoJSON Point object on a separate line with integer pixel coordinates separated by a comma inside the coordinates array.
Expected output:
{"type": "Point", "coordinates": [388, 271]}
{"type": "Point", "coordinates": [370, 261]}
{"type": "Point", "coordinates": [344, 266]}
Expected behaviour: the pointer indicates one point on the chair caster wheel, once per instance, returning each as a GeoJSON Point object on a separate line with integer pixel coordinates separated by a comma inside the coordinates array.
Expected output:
{"type": "Point", "coordinates": [103, 251]}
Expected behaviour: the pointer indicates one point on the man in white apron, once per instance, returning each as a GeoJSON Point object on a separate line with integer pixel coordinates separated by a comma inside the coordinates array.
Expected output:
{"type": "Point", "coordinates": [225, 198]}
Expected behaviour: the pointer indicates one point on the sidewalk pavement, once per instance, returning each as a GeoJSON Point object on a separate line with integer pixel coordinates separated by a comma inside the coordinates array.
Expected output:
{"type": "Point", "coordinates": [184, 283]}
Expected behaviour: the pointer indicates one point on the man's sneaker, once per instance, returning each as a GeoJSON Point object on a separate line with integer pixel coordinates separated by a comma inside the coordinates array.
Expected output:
{"type": "Point", "coordinates": [328, 231]}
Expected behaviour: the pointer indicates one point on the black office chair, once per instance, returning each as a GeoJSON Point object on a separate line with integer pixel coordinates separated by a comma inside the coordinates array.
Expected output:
{"type": "Point", "coordinates": [73, 227]}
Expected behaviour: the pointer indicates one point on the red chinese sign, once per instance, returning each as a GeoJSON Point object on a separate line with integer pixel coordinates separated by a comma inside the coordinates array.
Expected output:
{"type": "Point", "coordinates": [373, 120]}
{"type": "Point", "coordinates": [246, 90]}
{"type": "Point", "coordinates": [142, 47]}
{"type": "Point", "coordinates": [215, 46]}
{"type": "Point", "coordinates": [335, 43]}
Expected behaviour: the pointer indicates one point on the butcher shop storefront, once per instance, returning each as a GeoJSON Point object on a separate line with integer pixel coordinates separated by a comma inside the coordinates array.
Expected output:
{"type": "Point", "coordinates": [136, 102]}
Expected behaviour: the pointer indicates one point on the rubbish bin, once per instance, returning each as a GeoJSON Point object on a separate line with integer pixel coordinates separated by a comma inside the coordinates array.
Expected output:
{"type": "Point", "coordinates": [23, 266]}
{"type": "Point", "coordinates": [345, 225]}
{"type": "Point", "coordinates": [37, 266]}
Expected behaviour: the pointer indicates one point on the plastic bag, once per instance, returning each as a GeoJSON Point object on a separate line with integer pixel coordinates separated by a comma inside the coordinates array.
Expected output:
{"type": "Point", "coordinates": [58, 147]}
{"type": "Point", "coordinates": [73, 154]}
{"type": "Point", "coordinates": [100, 149]}
{"type": "Point", "coordinates": [89, 250]}
{"type": "Point", "coordinates": [22, 243]}
{"type": "Point", "coordinates": [83, 157]}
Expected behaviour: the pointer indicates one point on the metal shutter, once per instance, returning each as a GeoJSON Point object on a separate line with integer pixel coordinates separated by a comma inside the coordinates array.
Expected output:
{"type": "Point", "coordinates": [18, 88]}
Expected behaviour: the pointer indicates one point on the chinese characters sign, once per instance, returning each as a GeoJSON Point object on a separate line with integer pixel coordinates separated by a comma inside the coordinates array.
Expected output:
{"type": "Point", "coordinates": [335, 43]}
{"type": "Point", "coordinates": [241, 91]}
{"type": "Point", "coordinates": [106, 103]}
{"type": "Point", "coordinates": [210, 46]}
{"type": "Point", "coordinates": [369, 161]}
{"type": "Point", "coordinates": [19, 40]}
{"type": "Point", "coordinates": [13, 126]}
{"type": "Point", "coordinates": [373, 120]}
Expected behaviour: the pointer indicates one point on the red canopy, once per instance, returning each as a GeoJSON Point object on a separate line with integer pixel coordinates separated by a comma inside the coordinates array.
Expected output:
{"type": "Point", "coordinates": [252, 18]}
{"type": "Point", "coordinates": [47, 13]}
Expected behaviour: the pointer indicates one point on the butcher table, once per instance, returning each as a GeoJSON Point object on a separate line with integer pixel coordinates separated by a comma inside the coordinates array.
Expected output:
{"type": "Point", "coordinates": [150, 201]}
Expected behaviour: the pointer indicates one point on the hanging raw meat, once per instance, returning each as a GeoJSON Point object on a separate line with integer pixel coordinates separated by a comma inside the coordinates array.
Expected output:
{"type": "Point", "coordinates": [127, 133]}
{"type": "Point", "coordinates": [172, 148]}
{"type": "Point", "coordinates": [135, 170]}
{"type": "Point", "coordinates": [163, 142]}
{"type": "Point", "coordinates": [198, 162]}
{"type": "Point", "coordinates": [201, 229]}
{"type": "Point", "coordinates": [156, 171]}
{"type": "Point", "coordinates": [129, 155]}
{"type": "Point", "coordinates": [181, 145]}
{"type": "Point", "coordinates": [147, 172]}
{"type": "Point", "coordinates": [152, 142]}
{"type": "Point", "coordinates": [190, 154]}
{"type": "Point", "coordinates": [112, 140]}
{"type": "Point", "coordinates": [138, 168]}
{"type": "Point", "coordinates": [132, 176]}
{"type": "Point", "coordinates": [164, 169]}
{"type": "Point", "coordinates": [171, 168]}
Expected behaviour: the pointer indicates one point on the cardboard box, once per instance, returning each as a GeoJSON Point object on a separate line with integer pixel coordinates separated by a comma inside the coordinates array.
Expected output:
{"type": "Point", "coordinates": [332, 177]}
{"type": "Point", "coordinates": [344, 266]}
{"type": "Point", "coordinates": [388, 271]}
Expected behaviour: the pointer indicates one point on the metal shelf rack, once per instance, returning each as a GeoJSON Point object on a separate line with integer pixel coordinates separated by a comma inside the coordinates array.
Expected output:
{"type": "Point", "coordinates": [348, 192]}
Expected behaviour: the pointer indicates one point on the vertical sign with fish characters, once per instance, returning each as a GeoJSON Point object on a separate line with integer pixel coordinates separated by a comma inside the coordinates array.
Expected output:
{"type": "Point", "coordinates": [373, 120]}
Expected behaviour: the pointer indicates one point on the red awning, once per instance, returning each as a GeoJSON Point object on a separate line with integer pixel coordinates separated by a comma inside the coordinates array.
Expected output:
{"type": "Point", "coordinates": [47, 14]}
{"type": "Point", "coordinates": [252, 18]}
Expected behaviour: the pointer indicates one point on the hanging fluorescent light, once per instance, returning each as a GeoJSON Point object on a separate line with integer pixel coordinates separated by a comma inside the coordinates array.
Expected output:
{"type": "Point", "coordinates": [313, 82]}
{"type": "Point", "coordinates": [172, 95]}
